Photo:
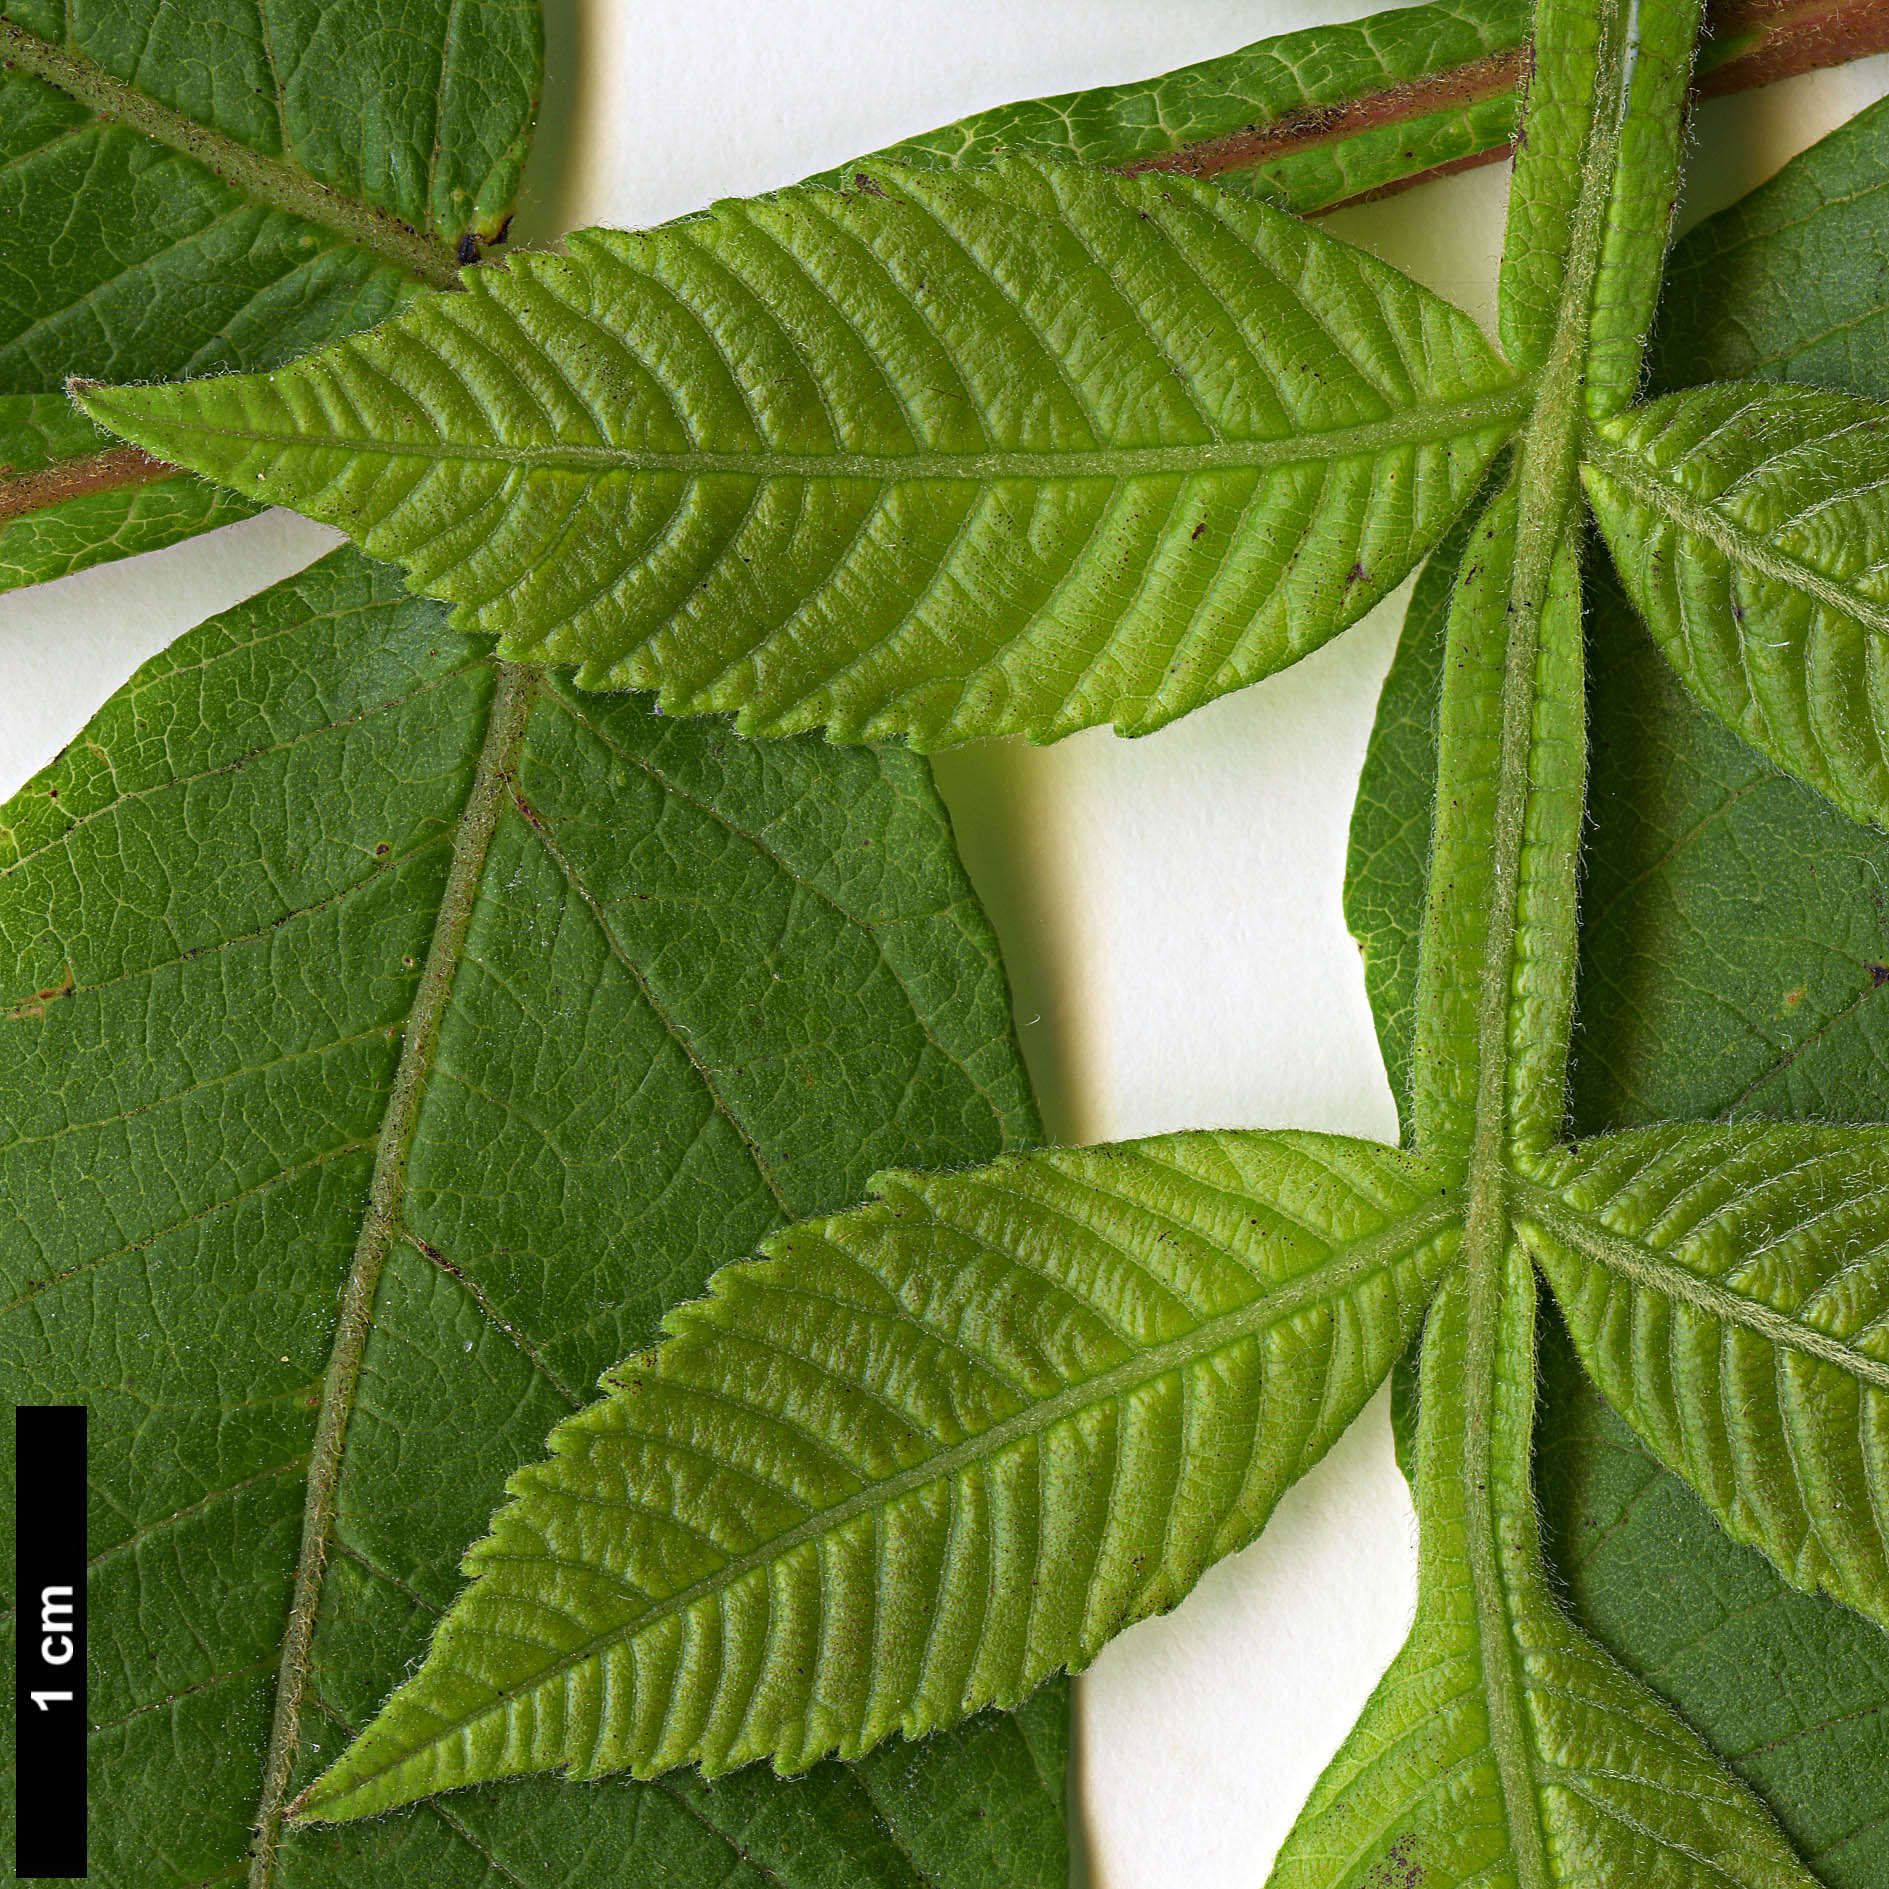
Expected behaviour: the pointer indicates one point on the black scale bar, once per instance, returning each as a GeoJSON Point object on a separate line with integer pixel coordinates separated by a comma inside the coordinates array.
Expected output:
{"type": "Point", "coordinates": [49, 1695]}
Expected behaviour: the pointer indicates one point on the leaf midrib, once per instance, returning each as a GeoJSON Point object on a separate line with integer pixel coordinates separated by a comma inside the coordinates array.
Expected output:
{"type": "Point", "coordinates": [1741, 545]}
{"type": "Point", "coordinates": [272, 181]}
{"type": "Point", "coordinates": [486, 797]}
{"type": "Point", "coordinates": [1399, 1239]}
{"type": "Point", "coordinates": [1412, 426]}
{"type": "Point", "coordinates": [1547, 486]}
{"type": "Point", "coordinates": [1648, 1267]}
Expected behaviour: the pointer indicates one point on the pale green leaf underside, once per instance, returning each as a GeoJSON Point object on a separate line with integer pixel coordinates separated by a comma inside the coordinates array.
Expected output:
{"type": "Point", "coordinates": [1728, 1290]}
{"type": "Point", "coordinates": [918, 1459]}
{"type": "Point", "coordinates": [937, 457]}
{"type": "Point", "coordinates": [1751, 530]}
{"type": "Point", "coordinates": [1504, 1748]}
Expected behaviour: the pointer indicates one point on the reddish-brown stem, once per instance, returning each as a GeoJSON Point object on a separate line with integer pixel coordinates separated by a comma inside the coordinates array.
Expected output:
{"type": "Point", "coordinates": [1749, 43]}
{"type": "Point", "coordinates": [1313, 125]}
{"type": "Point", "coordinates": [1754, 42]}
{"type": "Point", "coordinates": [110, 470]}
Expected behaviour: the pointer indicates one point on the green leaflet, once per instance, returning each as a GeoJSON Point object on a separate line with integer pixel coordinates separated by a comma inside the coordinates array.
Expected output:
{"type": "Point", "coordinates": [1503, 1746]}
{"type": "Point", "coordinates": [1349, 110]}
{"type": "Point", "coordinates": [1477, 916]}
{"type": "Point", "coordinates": [1787, 284]}
{"type": "Point", "coordinates": [220, 187]}
{"type": "Point", "coordinates": [918, 1458]}
{"type": "Point", "coordinates": [1728, 1290]}
{"type": "Point", "coordinates": [1387, 856]}
{"type": "Point", "coordinates": [392, 1038]}
{"type": "Point", "coordinates": [1014, 452]}
{"type": "Point", "coordinates": [1749, 528]}
{"type": "Point", "coordinates": [1790, 1684]}
{"type": "Point", "coordinates": [1305, 121]}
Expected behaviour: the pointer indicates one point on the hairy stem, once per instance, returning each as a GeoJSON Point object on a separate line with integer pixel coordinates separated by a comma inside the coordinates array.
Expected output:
{"type": "Point", "coordinates": [1589, 216]}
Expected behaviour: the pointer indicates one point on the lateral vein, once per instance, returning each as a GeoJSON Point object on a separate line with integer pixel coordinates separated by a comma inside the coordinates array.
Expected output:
{"type": "Point", "coordinates": [1743, 547]}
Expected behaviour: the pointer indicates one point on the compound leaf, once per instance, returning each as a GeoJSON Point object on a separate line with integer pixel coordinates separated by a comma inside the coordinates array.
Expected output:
{"type": "Point", "coordinates": [387, 1041]}
{"type": "Point", "coordinates": [1503, 1745]}
{"type": "Point", "coordinates": [918, 1458]}
{"type": "Point", "coordinates": [1734, 960]}
{"type": "Point", "coordinates": [1750, 528]}
{"type": "Point", "coordinates": [188, 190]}
{"type": "Point", "coordinates": [937, 456]}
{"type": "Point", "coordinates": [1727, 1287]}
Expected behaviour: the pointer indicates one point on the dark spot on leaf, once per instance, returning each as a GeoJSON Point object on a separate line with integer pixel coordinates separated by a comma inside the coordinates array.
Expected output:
{"type": "Point", "coordinates": [35, 1005]}
{"type": "Point", "coordinates": [382, 850]}
{"type": "Point", "coordinates": [1878, 975]}
{"type": "Point", "coordinates": [866, 184]}
{"type": "Point", "coordinates": [1398, 1868]}
{"type": "Point", "coordinates": [1198, 529]}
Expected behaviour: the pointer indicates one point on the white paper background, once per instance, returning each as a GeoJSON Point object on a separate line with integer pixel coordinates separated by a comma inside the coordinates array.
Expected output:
{"type": "Point", "coordinates": [1170, 907]}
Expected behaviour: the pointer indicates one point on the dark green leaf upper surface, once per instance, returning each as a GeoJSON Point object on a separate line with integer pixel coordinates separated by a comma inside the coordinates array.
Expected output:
{"type": "Point", "coordinates": [1790, 282]}
{"type": "Point", "coordinates": [1735, 947]}
{"type": "Point", "coordinates": [698, 988]}
{"type": "Point", "coordinates": [919, 1457]}
{"type": "Point", "coordinates": [219, 187]}
{"type": "Point", "coordinates": [1017, 451]}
